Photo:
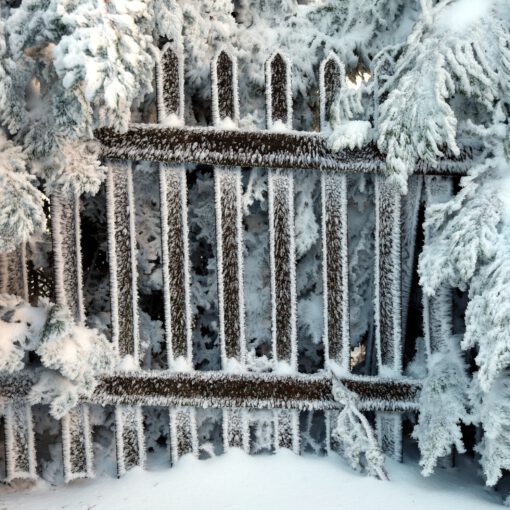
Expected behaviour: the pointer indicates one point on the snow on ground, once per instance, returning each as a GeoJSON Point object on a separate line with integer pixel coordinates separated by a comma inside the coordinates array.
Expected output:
{"type": "Point", "coordinates": [239, 481]}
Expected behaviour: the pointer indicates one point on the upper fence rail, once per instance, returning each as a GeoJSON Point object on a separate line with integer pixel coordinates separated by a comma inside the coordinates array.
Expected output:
{"type": "Point", "coordinates": [224, 144]}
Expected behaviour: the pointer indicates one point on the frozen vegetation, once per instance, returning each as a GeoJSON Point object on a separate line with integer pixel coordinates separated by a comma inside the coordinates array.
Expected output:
{"type": "Point", "coordinates": [191, 267]}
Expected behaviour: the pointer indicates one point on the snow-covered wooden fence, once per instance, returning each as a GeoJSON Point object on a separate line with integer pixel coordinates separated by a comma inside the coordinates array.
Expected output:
{"type": "Point", "coordinates": [233, 389]}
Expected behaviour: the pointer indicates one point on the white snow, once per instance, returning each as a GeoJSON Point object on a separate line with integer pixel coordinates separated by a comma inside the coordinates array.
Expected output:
{"type": "Point", "coordinates": [239, 481]}
{"type": "Point", "coordinates": [463, 14]}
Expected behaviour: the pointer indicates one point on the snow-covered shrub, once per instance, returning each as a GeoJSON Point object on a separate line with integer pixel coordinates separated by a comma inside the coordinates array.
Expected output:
{"type": "Point", "coordinates": [71, 355]}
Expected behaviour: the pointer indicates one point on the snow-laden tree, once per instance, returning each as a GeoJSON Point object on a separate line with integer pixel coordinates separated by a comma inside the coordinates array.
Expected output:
{"type": "Point", "coordinates": [443, 406]}
{"type": "Point", "coordinates": [71, 355]}
{"type": "Point", "coordinates": [469, 248]}
{"type": "Point", "coordinates": [21, 203]}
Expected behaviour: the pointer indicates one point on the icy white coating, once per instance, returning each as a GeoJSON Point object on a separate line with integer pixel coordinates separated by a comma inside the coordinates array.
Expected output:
{"type": "Point", "coordinates": [332, 57]}
{"type": "Point", "coordinates": [134, 267]}
{"type": "Point", "coordinates": [334, 202]}
{"type": "Point", "coordinates": [388, 230]}
{"type": "Point", "coordinates": [236, 429]}
{"type": "Point", "coordinates": [79, 268]}
{"type": "Point", "coordinates": [218, 119]}
{"type": "Point", "coordinates": [19, 441]}
{"type": "Point", "coordinates": [129, 437]}
{"type": "Point", "coordinates": [232, 178]}
{"type": "Point", "coordinates": [281, 187]}
{"type": "Point", "coordinates": [269, 89]}
{"type": "Point", "coordinates": [58, 255]}
{"type": "Point", "coordinates": [112, 256]}
{"type": "Point", "coordinates": [389, 433]}
{"type": "Point", "coordinates": [287, 433]}
{"type": "Point", "coordinates": [183, 433]}
{"type": "Point", "coordinates": [77, 442]}
{"type": "Point", "coordinates": [174, 119]}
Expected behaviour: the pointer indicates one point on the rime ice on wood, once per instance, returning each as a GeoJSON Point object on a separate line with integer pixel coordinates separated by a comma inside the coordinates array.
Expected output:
{"type": "Point", "coordinates": [19, 441]}
{"type": "Point", "coordinates": [236, 433]}
{"type": "Point", "coordinates": [281, 220]}
{"type": "Point", "coordinates": [65, 222]}
{"type": "Point", "coordinates": [334, 234]}
{"type": "Point", "coordinates": [122, 259]}
{"type": "Point", "coordinates": [229, 220]}
{"type": "Point", "coordinates": [410, 209]}
{"type": "Point", "coordinates": [170, 84]}
{"type": "Point", "coordinates": [175, 252]}
{"type": "Point", "coordinates": [331, 79]}
{"type": "Point", "coordinates": [334, 246]}
{"type": "Point", "coordinates": [176, 278]}
{"type": "Point", "coordinates": [183, 432]}
{"type": "Point", "coordinates": [65, 234]}
{"type": "Point", "coordinates": [124, 303]}
{"type": "Point", "coordinates": [77, 448]}
{"type": "Point", "coordinates": [129, 438]}
{"type": "Point", "coordinates": [174, 218]}
{"type": "Point", "coordinates": [13, 273]}
{"type": "Point", "coordinates": [287, 430]}
{"type": "Point", "coordinates": [388, 311]}
{"type": "Point", "coordinates": [437, 310]}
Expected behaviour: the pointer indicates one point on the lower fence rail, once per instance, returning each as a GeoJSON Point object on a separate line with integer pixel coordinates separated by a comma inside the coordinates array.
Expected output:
{"type": "Point", "coordinates": [238, 395]}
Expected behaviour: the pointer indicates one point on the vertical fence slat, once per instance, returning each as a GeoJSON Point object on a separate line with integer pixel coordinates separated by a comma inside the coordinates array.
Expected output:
{"type": "Point", "coordinates": [437, 310]}
{"type": "Point", "coordinates": [129, 438]}
{"type": "Point", "coordinates": [65, 233]}
{"type": "Point", "coordinates": [229, 221]}
{"type": "Point", "coordinates": [229, 241]}
{"type": "Point", "coordinates": [13, 272]}
{"type": "Point", "coordinates": [388, 307]}
{"type": "Point", "coordinates": [236, 429]}
{"type": "Point", "coordinates": [19, 441]}
{"type": "Point", "coordinates": [334, 245]}
{"type": "Point", "coordinates": [175, 251]}
{"type": "Point", "coordinates": [282, 241]}
{"type": "Point", "coordinates": [124, 303]}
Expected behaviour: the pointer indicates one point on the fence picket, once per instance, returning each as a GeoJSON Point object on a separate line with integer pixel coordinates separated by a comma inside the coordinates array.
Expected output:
{"type": "Point", "coordinates": [13, 273]}
{"type": "Point", "coordinates": [281, 234]}
{"type": "Point", "coordinates": [19, 441]}
{"type": "Point", "coordinates": [334, 245]}
{"type": "Point", "coordinates": [175, 251]}
{"type": "Point", "coordinates": [124, 304]}
{"type": "Point", "coordinates": [229, 236]}
{"type": "Point", "coordinates": [388, 309]}
{"type": "Point", "coordinates": [65, 233]}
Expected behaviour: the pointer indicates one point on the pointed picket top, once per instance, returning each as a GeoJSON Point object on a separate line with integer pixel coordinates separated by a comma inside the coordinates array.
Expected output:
{"type": "Point", "coordinates": [279, 90]}
{"type": "Point", "coordinates": [331, 79]}
{"type": "Point", "coordinates": [225, 94]}
{"type": "Point", "coordinates": [170, 85]}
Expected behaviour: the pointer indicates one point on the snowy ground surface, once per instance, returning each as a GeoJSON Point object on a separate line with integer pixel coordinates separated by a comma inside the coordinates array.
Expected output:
{"type": "Point", "coordinates": [283, 481]}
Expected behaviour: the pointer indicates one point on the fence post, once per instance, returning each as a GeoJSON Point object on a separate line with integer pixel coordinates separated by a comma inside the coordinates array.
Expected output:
{"type": "Point", "coordinates": [388, 306]}
{"type": "Point", "coordinates": [229, 240]}
{"type": "Point", "coordinates": [120, 210]}
{"type": "Point", "coordinates": [282, 242]}
{"type": "Point", "coordinates": [66, 241]}
{"type": "Point", "coordinates": [334, 245]}
{"type": "Point", "coordinates": [175, 250]}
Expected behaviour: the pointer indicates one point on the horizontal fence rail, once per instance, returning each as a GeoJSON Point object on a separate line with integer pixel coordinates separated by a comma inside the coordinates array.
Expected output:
{"type": "Point", "coordinates": [250, 148]}
{"type": "Point", "coordinates": [220, 390]}
{"type": "Point", "coordinates": [238, 392]}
